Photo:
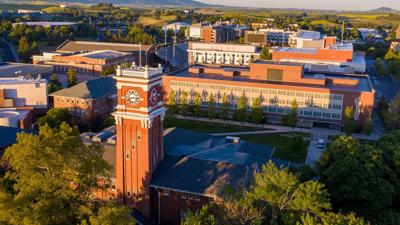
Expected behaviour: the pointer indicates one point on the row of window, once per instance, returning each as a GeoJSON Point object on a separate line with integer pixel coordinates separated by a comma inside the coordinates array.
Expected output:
{"type": "Point", "coordinates": [73, 101]}
{"type": "Point", "coordinates": [256, 90]}
{"type": "Point", "coordinates": [306, 113]}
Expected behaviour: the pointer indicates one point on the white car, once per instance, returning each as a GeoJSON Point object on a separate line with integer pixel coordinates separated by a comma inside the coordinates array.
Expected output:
{"type": "Point", "coordinates": [321, 143]}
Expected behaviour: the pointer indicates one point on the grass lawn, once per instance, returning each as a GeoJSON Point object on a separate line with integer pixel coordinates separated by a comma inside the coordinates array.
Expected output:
{"type": "Point", "coordinates": [205, 127]}
{"type": "Point", "coordinates": [148, 20]}
{"type": "Point", "coordinates": [281, 142]}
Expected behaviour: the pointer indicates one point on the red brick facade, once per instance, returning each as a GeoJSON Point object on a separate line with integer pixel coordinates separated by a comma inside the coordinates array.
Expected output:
{"type": "Point", "coordinates": [320, 54]}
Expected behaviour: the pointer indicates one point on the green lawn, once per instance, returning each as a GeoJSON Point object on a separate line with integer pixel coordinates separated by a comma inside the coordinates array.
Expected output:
{"type": "Point", "coordinates": [281, 142]}
{"type": "Point", "coordinates": [205, 126]}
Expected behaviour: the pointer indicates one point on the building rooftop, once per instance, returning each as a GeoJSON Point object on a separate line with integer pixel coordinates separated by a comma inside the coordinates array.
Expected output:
{"type": "Point", "coordinates": [91, 89]}
{"type": "Point", "coordinates": [297, 50]}
{"type": "Point", "coordinates": [227, 47]}
{"type": "Point", "coordinates": [364, 84]}
{"type": "Point", "coordinates": [78, 46]}
{"type": "Point", "coordinates": [106, 54]}
{"type": "Point", "coordinates": [305, 34]}
{"type": "Point", "coordinates": [23, 69]}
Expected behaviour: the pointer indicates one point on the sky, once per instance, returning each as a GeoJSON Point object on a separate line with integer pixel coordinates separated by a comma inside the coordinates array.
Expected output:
{"type": "Point", "coordinates": [311, 4]}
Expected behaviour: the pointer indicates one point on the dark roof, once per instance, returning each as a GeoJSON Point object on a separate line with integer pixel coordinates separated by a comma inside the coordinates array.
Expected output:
{"type": "Point", "coordinates": [91, 89]}
{"type": "Point", "coordinates": [9, 135]}
{"type": "Point", "coordinates": [78, 46]}
{"type": "Point", "coordinates": [204, 164]}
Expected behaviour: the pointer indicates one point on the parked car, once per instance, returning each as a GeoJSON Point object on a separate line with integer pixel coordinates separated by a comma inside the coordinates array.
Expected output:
{"type": "Point", "coordinates": [321, 143]}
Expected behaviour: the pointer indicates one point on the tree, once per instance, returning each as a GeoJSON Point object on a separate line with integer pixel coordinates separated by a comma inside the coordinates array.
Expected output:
{"type": "Point", "coordinates": [197, 104]}
{"type": "Point", "coordinates": [368, 125]}
{"type": "Point", "coordinates": [54, 85]}
{"type": "Point", "coordinates": [379, 67]}
{"type": "Point", "coordinates": [55, 117]}
{"type": "Point", "coordinates": [71, 77]}
{"type": "Point", "coordinates": [265, 54]}
{"type": "Point", "coordinates": [349, 125]}
{"type": "Point", "coordinates": [297, 144]}
{"type": "Point", "coordinates": [382, 107]}
{"type": "Point", "coordinates": [291, 119]}
{"type": "Point", "coordinates": [225, 107]}
{"type": "Point", "coordinates": [282, 192]}
{"type": "Point", "coordinates": [241, 108]}
{"type": "Point", "coordinates": [113, 215]}
{"type": "Point", "coordinates": [183, 102]}
{"type": "Point", "coordinates": [211, 107]}
{"type": "Point", "coordinates": [172, 103]}
{"type": "Point", "coordinates": [24, 49]}
{"type": "Point", "coordinates": [256, 111]}
{"type": "Point", "coordinates": [351, 170]}
{"type": "Point", "coordinates": [53, 176]}
{"type": "Point", "coordinates": [202, 217]}
{"type": "Point", "coordinates": [392, 116]}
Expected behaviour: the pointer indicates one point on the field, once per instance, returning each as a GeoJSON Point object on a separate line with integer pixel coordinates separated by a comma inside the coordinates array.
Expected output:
{"type": "Point", "coordinates": [149, 20]}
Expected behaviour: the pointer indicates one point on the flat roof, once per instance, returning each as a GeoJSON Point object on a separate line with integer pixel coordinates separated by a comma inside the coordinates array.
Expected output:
{"type": "Point", "coordinates": [78, 46]}
{"type": "Point", "coordinates": [297, 50]}
{"type": "Point", "coordinates": [22, 69]}
{"type": "Point", "coordinates": [363, 86]}
{"type": "Point", "coordinates": [108, 54]}
{"type": "Point", "coordinates": [305, 34]}
{"type": "Point", "coordinates": [284, 63]}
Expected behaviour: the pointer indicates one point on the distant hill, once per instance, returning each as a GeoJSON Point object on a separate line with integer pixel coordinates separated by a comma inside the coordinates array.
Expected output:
{"type": "Point", "coordinates": [190, 3]}
{"type": "Point", "coordinates": [384, 9]}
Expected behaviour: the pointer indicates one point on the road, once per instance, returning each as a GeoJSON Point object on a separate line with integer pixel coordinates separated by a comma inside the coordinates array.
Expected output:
{"type": "Point", "coordinates": [181, 55]}
{"type": "Point", "coordinates": [9, 53]}
{"type": "Point", "coordinates": [314, 153]}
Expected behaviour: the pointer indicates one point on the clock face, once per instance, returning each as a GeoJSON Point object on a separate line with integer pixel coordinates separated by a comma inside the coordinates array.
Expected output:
{"type": "Point", "coordinates": [155, 95]}
{"type": "Point", "coordinates": [132, 97]}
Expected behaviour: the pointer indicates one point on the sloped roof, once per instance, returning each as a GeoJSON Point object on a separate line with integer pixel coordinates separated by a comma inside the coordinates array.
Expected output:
{"type": "Point", "coordinates": [78, 46]}
{"type": "Point", "coordinates": [204, 164]}
{"type": "Point", "coordinates": [91, 89]}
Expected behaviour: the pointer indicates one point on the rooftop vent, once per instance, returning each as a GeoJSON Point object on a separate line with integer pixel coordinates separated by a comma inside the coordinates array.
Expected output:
{"type": "Point", "coordinates": [230, 139]}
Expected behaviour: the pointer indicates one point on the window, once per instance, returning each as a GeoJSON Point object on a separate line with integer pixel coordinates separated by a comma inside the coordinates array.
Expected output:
{"type": "Point", "coordinates": [274, 74]}
{"type": "Point", "coordinates": [138, 135]}
{"type": "Point", "coordinates": [37, 85]}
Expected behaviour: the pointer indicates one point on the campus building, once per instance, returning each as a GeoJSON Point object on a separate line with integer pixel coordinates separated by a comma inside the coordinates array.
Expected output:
{"type": "Point", "coordinates": [321, 97]}
{"type": "Point", "coordinates": [163, 174]}
{"type": "Point", "coordinates": [271, 37]}
{"type": "Point", "coordinates": [222, 54]}
{"type": "Point", "coordinates": [89, 100]}
{"type": "Point", "coordinates": [84, 63]}
{"type": "Point", "coordinates": [222, 32]}
{"type": "Point", "coordinates": [93, 57]}
{"type": "Point", "coordinates": [21, 99]}
{"type": "Point", "coordinates": [336, 57]}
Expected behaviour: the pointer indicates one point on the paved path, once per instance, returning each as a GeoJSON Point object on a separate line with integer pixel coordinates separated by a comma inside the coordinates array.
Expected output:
{"type": "Point", "coordinates": [314, 153]}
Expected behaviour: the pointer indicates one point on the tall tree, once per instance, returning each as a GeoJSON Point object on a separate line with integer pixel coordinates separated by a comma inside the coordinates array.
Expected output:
{"type": "Point", "coordinates": [202, 217]}
{"type": "Point", "coordinates": [183, 102]}
{"type": "Point", "coordinates": [53, 175]}
{"type": "Point", "coordinates": [55, 117]}
{"type": "Point", "coordinates": [256, 111]}
{"type": "Point", "coordinates": [392, 116]}
{"type": "Point", "coordinates": [113, 215]}
{"type": "Point", "coordinates": [291, 119]}
{"type": "Point", "coordinates": [241, 108]}
{"type": "Point", "coordinates": [197, 104]}
{"type": "Point", "coordinates": [211, 106]}
{"type": "Point", "coordinates": [71, 77]}
{"type": "Point", "coordinates": [24, 49]}
{"type": "Point", "coordinates": [54, 84]}
{"type": "Point", "coordinates": [172, 103]}
{"type": "Point", "coordinates": [379, 67]}
{"type": "Point", "coordinates": [349, 125]}
{"type": "Point", "coordinates": [265, 54]}
{"type": "Point", "coordinates": [225, 107]}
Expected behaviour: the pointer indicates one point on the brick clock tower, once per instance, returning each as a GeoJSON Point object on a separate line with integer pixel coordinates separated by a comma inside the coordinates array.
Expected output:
{"type": "Point", "coordinates": [138, 117]}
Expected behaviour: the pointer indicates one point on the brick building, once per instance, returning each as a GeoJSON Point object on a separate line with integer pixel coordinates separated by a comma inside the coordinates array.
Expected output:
{"type": "Point", "coordinates": [21, 100]}
{"type": "Point", "coordinates": [165, 173]}
{"type": "Point", "coordinates": [271, 37]}
{"type": "Point", "coordinates": [88, 100]}
{"type": "Point", "coordinates": [321, 97]}
{"type": "Point", "coordinates": [336, 57]}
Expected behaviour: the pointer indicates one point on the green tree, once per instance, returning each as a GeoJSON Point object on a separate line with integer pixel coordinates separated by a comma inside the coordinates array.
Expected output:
{"type": "Point", "coordinates": [183, 102]}
{"type": "Point", "coordinates": [55, 117]}
{"type": "Point", "coordinates": [54, 85]}
{"type": "Point", "coordinates": [202, 217]}
{"type": "Point", "coordinates": [297, 144]}
{"type": "Point", "coordinates": [283, 193]}
{"type": "Point", "coordinates": [225, 107]}
{"type": "Point", "coordinates": [265, 54]}
{"type": "Point", "coordinates": [53, 175]}
{"type": "Point", "coordinates": [382, 107]}
{"type": "Point", "coordinates": [392, 116]}
{"type": "Point", "coordinates": [113, 215]}
{"type": "Point", "coordinates": [71, 77]}
{"type": "Point", "coordinates": [24, 49]}
{"type": "Point", "coordinates": [349, 125]}
{"type": "Point", "coordinates": [367, 129]}
{"type": "Point", "coordinates": [241, 108]}
{"type": "Point", "coordinates": [291, 119]}
{"type": "Point", "coordinates": [211, 107]}
{"type": "Point", "coordinates": [379, 67]}
{"type": "Point", "coordinates": [256, 111]}
{"type": "Point", "coordinates": [197, 104]}
{"type": "Point", "coordinates": [172, 108]}
{"type": "Point", "coordinates": [351, 170]}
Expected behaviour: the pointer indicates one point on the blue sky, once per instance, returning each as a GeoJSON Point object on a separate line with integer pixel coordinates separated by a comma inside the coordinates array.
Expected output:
{"type": "Point", "coordinates": [311, 4]}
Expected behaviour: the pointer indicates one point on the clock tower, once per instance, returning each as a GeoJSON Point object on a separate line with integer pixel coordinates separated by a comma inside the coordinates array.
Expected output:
{"type": "Point", "coordinates": [138, 117]}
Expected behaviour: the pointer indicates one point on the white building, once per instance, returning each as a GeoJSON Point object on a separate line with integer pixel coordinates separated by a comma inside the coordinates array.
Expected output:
{"type": "Point", "coordinates": [176, 26]}
{"type": "Point", "coordinates": [222, 54]}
